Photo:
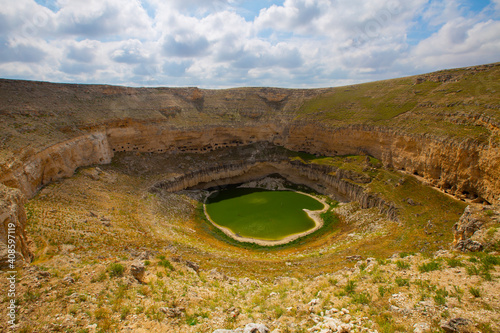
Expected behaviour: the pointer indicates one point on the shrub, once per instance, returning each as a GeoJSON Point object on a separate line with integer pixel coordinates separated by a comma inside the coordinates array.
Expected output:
{"type": "Point", "coordinates": [454, 262]}
{"type": "Point", "coordinates": [165, 263]}
{"type": "Point", "coordinates": [475, 292]}
{"type": "Point", "coordinates": [124, 312]}
{"type": "Point", "coordinates": [102, 313]}
{"type": "Point", "coordinates": [361, 298]}
{"type": "Point", "coordinates": [430, 266]}
{"type": "Point", "coordinates": [402, 265]}
{"type": "Point", "coordinates": [473, 270]}
{"type": "Point", "coordinates": [350, 287]}
{"type": "Point", "coordinates": [116, 270]}
{"type": "Point", "coordinates": [382, 290]}
{"type": "Point", "coordinates": [440, 297]}
{"type": "Point", "coordinates": [489, 261]}
{"type": "Point", "coordinates": [402, 282]}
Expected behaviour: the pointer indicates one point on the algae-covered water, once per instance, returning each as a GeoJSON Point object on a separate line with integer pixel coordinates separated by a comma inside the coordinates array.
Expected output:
{"type": "Point", "coordinates": [262, 214]}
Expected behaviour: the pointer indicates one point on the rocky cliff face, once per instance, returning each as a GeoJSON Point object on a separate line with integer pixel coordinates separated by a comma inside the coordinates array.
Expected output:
{"type": "Point", "coordinates": [475, 229]}
{"type": "Point", "coordinates": [14, 249]}
{"type": "Point", "coordinates": [35, 169]}
{"type": "Point", "coordinates": [324, 179]}
{"type": "Point", "coordinates": [466, 168]}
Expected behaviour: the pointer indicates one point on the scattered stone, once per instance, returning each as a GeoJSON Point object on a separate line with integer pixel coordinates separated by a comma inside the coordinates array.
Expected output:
{"type": "Point", "coordinates": [411, 202]}
{"type": "Point", "coordinates": [459, 325]}
{"type": "Point", "coordinates": [105, 221]}
{"type": "Point", "coordinates": [331, 311]}
{"type": "Point", "coordinates": [468, 245]}
{"type": "Point", "coordinates": [176, 259]}
{"type": "Point", "coordinates": [43, 274]}
{"type": "Point", "coordinates": [68, 279]}
{"type": "Point", "coordinates": [216, 275]}
{"type": "Point", "coordinates": [173, 312]}
{"type": "Point", "coordinates": [353, 258]}
{"type": "Point", "coordinates": [92, 327]}
{"type": "Point", "coordinates": [137, 270]}
{"type": "Point", "coordinates": [233, 312]}
{"type": "Point", "coordinates": [421, 328]}
{"type": "Point", "coordinates": [192, 265]}
{"type": "Point", "coordinates": [255, 328]}
{"type": "Point", "coordinates": [143, 256]}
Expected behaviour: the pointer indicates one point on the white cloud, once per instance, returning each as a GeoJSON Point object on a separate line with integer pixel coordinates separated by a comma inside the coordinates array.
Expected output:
{"type": "Point", "coordinates": [461, 42]}
{"type": "Point", "coordinates": [98, 18]}
{"type": "Point", "coordinates": [208, 43]}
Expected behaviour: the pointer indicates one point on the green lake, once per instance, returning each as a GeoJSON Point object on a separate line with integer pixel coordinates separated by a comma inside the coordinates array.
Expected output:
{"type": "Point", "coordinates": [262, 214]}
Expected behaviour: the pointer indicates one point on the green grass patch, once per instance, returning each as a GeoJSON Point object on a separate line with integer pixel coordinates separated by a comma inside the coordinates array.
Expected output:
{"type": "Point", "coordinates": [402, 265]}
{"type": "Point", "coordinates": [402, 282]}
{"type": "Point", "coordinates": [262, 214]}
{"type": "Point", "coordinates": [453, 262]}
{"type": "Point", "coordinates": [116, 270]}
{"type": "Point", "coordinates": [429, 267]}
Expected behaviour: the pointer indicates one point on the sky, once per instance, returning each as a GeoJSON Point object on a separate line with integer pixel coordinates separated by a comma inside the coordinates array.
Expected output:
{"type": "Point", "coordinates": [234, 43]}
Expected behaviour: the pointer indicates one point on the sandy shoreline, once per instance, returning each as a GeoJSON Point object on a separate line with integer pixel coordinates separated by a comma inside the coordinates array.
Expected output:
{"type": "Point", "coordinates": [313, 214]}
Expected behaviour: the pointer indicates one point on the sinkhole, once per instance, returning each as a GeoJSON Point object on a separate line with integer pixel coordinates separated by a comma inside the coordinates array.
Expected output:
{"type": "Point", "coordinates": [262, 216]}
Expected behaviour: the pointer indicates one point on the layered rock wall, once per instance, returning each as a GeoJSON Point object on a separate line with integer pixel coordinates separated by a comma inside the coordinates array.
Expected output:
{"type": "Point", "coordinates": [464, 168]}
{"type": "Point", "coordinates": [14, 250]}
{"type": "Point", "coordinates": [34, 169]}
{"type": "Point", "coordinates": [324, 179]}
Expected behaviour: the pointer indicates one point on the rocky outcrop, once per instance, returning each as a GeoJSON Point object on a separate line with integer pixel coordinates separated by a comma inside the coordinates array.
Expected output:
{"type": "Point", "coordinates": [471, 231]}
{"type": "Point", "coordinates": [464, 229]}
{"type": "Point", "coordinates": [35, 169]}
{"type": "Point", "coordinates": [14, 251]}
{"type": "Point", "coordinates": [464, 168]}
{"type": "Point", "coordinates": [459, 325]}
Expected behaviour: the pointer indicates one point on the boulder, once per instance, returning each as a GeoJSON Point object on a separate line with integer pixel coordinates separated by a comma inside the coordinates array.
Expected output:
{"type": "Point", "coordinates": [255, 328]}
{"type": "Point", "coordinates": [192, 265]}
{"type": "Point", "coordinates": [173, 312]}
{"type": "Point", "coordinates": [216, 275]}
{"type": "Point", "coordinates": [137, 270]}
{"type": "Point", "coordinates": [468, 245]}
{"type": "Point", "coordinates": [459, 325]}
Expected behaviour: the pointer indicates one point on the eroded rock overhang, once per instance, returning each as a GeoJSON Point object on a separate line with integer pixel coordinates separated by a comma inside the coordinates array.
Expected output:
{"type": "Point", "coordinates": [466, 169]}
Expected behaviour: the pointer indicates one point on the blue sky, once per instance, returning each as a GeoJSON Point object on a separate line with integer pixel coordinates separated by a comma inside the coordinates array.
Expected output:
{"type": "Point", "coordinates": [232, 43]}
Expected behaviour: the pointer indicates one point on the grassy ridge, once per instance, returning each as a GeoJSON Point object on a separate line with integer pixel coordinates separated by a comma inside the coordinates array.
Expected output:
{"type": "Point", "coordinates": [448, 103]}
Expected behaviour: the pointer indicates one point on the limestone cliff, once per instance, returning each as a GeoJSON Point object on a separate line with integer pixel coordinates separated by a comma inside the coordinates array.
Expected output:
{"type": "Point", "coordinates": [35, 169]}
{"type": "Point", "coordinates": [324, 179]}
{"type": "Point", "coordinates": [13, 238]}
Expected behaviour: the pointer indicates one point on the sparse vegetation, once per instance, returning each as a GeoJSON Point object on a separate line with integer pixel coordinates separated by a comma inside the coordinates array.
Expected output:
{"type": "Point", "coordinates": [116, 270]}
{"type": "Point", "coordinates": [429, 267]}
{"type": "Point", "coordinates": [88, 228]}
